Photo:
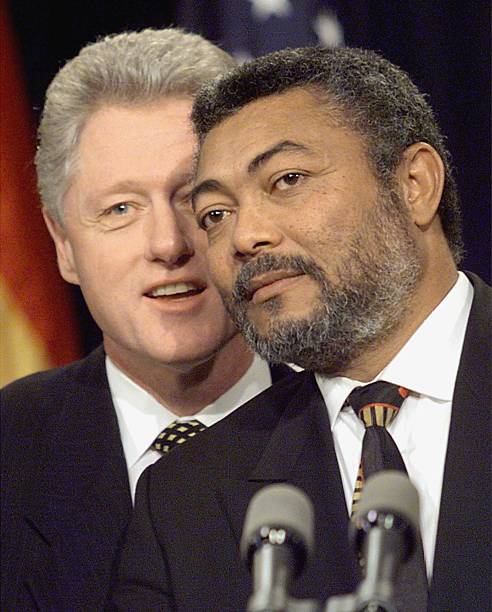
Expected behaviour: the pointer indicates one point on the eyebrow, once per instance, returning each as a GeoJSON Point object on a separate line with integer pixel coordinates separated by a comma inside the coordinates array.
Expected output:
{"type": "Point", "coordinates": [208, 186]}
{"type": "Point", "coordinates": [120, 186]}
{"type": "Point", "coordinates": [183, 179]}
{"type": "Point", "coordinates": [285, 145]}
{"type": "Point", "coordinates": [212, 185]}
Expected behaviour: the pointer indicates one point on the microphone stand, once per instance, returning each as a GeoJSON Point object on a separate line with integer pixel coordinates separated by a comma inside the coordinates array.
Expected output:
{"type": "Point", "coordinates": [303, 605]}
{"type": "Point", "coordinates": [354, 603]}
{"type": "Point", "coordinates": [272, 567]}
{"type": "Point", "coordinates": [340, 603]}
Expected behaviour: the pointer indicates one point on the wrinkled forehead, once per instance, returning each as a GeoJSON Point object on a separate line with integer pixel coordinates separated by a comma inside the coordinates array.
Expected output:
{"type": "Point", "coordinates": [264, 122]}
{"type": "Point", "coordinates": [222, 108]}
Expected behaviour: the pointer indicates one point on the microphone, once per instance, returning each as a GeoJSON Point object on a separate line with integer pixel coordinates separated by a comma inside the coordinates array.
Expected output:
{"type": "Point", "coordinates": [277, 539]}
{"type": "Point", "coordinates": [384, 530]}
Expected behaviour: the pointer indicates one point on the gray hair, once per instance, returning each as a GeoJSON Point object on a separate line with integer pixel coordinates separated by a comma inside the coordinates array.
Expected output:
{"type": "Point", "coordinates": [372, 96]}
{"type": "Point", "coordinates": [132, 68]}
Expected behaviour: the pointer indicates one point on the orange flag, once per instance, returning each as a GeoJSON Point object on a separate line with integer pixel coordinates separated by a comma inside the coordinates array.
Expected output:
{"type": "Point", "coordinates": [37, 325]}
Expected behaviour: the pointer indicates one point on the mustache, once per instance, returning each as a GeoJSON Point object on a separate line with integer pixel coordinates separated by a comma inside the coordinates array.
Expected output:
{"type": "Point", "coordinates": [272, 263]}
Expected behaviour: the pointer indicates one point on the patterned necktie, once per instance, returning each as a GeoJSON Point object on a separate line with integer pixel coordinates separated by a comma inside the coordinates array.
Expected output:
{"type": "Point", "coordinates": [377, 405]}
{"type": "Point", "coordinates": [177, 433]}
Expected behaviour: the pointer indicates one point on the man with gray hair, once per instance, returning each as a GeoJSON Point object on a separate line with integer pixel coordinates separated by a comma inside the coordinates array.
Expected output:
{"type": "Point", "coordinates": [325, 188]}
{"type": "Point", "coordinates": [114, 164]}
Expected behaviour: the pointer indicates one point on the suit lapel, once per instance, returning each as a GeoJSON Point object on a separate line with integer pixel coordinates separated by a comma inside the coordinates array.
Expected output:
{"type": "Point", "coordinates": [300, 451]}
{"type": "Point", "coordinates": [463, 539]}
{"type": "Point", "coordinates": [83, 502]}
{"type": "Point", "coordinates": [278, 457]}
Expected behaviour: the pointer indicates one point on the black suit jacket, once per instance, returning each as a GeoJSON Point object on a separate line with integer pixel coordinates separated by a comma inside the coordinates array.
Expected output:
{"type": "Point", "coordinates": [65, 492]}
{"type": "Point", "coordinates": [182, 549]}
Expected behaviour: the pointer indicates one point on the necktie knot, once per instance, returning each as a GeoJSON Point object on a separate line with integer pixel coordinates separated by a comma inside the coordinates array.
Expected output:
{"type": "Point", "coordinates": [377, 404]}
{"type": "Point", "coordinates": [177, 433]}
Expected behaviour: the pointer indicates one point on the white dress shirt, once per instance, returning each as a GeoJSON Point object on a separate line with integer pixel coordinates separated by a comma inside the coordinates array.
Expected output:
{"type": "Point", "coordinates": [427, 365]}
{"type": "Point", "coordinates": [141, 417]}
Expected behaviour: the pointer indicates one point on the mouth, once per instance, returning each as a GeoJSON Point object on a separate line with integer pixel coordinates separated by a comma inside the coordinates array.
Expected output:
{"type": "Point", "coordinates": [266, 286]}
{"type": "Point", "coordinates": [175, 291]}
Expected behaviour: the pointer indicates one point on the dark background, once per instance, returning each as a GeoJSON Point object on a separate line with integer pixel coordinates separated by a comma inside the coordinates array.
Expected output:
{"type": "Point", "coordinates": [445, 46]}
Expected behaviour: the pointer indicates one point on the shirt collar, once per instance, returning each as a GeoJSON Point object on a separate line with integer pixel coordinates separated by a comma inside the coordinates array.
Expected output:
{"type": "Point", "coordinates": [428, 363]}
{"type": "Point", "coordinates": [141, 417]}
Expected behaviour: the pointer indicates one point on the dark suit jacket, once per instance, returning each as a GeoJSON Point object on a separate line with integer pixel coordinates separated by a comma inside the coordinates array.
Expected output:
{"type": "Point", "coordinates": [65, 493]}
{"type": "Point", "coordinates": [182, 549]}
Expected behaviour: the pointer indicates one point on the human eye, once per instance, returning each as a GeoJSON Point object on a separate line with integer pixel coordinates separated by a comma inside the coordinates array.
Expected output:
{"type": "Point", "coordinates": [288, 180]}
{"type": "Point", "coordinates": [118, 215]}
{"type": "Point", "coordinates": [119, 210]}
{"type": "Point", "coordinates": [211, 218]}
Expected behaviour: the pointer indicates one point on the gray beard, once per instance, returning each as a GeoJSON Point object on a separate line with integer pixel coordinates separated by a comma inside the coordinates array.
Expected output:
{"type": "Point", "coordinates": [378, 271]}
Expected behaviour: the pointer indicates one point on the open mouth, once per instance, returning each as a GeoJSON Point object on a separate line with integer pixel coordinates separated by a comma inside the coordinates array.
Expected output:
{"type": "Point", "coordinates": [175, 291]}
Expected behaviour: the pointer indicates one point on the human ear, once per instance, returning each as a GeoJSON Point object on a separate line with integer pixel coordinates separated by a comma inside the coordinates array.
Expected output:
{"type": "Point", "coordinates": [421, 176]}
{"type": "Point", "coordinates": [64, 252]}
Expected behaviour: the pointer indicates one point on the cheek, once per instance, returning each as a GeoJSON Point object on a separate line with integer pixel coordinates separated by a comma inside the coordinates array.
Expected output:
{"type": "Point", "coordinates": [102, 262]}
{"type": "Point", "coordinates": [198, 237]}
{"type": "Point", "coordinates": [219, 269]}
{"type": "Point", "coordinates": [326, 227]}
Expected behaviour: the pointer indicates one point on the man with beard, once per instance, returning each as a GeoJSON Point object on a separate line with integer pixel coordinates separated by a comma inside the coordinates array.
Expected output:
{"type": "Point", "coordinates": [114, 163]}
{"type": "Point", "coordinates": [325, 188]}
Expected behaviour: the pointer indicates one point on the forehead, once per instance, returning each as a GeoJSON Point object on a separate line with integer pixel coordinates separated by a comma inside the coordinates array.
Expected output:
{"type": "Point", "coordinates": [134, 141]}
{"type": "Point", "coordinates": [124, 148]}
{"type": "Point", "coordinates": [296, 115]}
{"type": "Point", "coordinates": [167, 118]}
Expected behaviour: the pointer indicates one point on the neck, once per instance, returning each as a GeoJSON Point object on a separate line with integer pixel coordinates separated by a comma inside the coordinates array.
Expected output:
{"type": "Point", "coordinates": [185, 389]}
{"type": "Point", "coordinates": [430, 293]}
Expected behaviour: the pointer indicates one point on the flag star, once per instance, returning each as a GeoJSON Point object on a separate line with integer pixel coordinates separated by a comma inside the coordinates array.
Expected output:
{"type": "Point", "coordinates": [263, 9]}
{"type": "Point", "coordinates": [328, 29]}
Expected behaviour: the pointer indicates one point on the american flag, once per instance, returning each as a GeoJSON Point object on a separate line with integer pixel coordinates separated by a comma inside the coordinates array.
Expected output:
{"type": "Point", "coordinates": [249, 28]}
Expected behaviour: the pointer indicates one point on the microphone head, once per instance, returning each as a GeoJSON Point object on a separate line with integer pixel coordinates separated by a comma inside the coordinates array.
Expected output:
{"type": "Point", "coordinates": [390, 491]}
{"type": "Point", "coordinates": [278, 514]}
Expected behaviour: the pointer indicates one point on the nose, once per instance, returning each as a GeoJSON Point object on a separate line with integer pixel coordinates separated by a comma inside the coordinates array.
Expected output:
{"type": "Point", "coordinates": [255, 230]}
{"type": "Point", "coordinates": [167, 240]}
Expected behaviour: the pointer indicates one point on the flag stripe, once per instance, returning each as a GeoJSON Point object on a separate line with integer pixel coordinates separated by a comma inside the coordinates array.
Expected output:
{"type": "Point", "coordinates": [28, 265]}
{"type": "Point", "coordinates": [22, 350]}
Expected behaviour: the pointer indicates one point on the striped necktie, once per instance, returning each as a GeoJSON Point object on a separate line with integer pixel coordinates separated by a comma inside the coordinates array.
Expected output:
{"type": "Point", "coordinates": [377, 405]}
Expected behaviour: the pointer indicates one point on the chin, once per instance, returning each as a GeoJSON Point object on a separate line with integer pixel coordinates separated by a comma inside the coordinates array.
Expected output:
{"type": "Point", "coordinates": [270, 325]}
{"type": "Point", "coordinates": [187, 363]}
{"type": "Point", "coordinates": [194, 355]}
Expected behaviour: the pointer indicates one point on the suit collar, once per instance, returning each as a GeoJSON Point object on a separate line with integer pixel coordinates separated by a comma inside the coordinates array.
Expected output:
{"type": "Point", "coordinates": [279, 371]}
{"type": "Point", "coordinates": [294, 429]}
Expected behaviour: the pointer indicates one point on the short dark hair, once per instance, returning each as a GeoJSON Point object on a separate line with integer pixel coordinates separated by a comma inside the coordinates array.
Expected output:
{"type": "Point", "coordinates": [372, 96]}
